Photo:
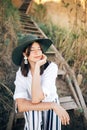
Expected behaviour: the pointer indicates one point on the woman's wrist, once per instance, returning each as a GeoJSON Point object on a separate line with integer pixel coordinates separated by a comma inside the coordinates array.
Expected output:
{"type": "Point", "coordinates": [37, 66]}
{"type": "Point", "coordinates": [53, 105]}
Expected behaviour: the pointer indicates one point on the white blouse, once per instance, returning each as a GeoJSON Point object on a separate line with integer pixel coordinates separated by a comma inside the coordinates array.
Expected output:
{"type": "Point", "coordinates": [48, 84]}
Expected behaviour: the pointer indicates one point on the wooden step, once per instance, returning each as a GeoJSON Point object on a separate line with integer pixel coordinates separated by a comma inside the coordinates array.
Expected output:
{"type": "Point", "coordinates": [61, 72]}
{"type": "Point", "coordinates": [26, 21]}
{"type": "Point", "coordinates": [31, 31]}
{"type": "Point", "coordinates": [68, 103]}
{"type": "Point", "coordinates": [50, 53]}
{"type": "Point", "coordinates": [25, 6]}
{"type": "Point", "coordinates": [29, 27]}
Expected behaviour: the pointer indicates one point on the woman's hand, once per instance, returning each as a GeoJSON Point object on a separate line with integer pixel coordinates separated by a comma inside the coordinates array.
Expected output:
{"type": "Point", "coordinates": [62, 113]}
{"type": "Point", "coordinates": [42, 61]}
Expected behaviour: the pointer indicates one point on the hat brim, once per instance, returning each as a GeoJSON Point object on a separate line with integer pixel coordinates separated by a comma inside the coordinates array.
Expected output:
{"type": "Point", "coordinates": [17, 52]}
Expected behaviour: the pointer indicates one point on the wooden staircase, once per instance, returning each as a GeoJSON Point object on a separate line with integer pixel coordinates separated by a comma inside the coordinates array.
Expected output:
{"type": "Point", "coordinates": [25, 6]}
{"type": "Point", "coordinates": [73, 98]}
{"type": "Point", "coordinates": [28, 26]}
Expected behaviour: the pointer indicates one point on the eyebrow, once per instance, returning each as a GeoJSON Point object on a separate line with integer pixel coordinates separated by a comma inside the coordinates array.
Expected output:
{"type": "Point", "coordinates": [35, 47]}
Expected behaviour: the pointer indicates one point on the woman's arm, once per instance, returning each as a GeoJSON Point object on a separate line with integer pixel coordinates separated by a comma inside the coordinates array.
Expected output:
{"type": "Point", "coordinates": [27, 105]}
{"type": "Point", "coordinates": [36, 89]}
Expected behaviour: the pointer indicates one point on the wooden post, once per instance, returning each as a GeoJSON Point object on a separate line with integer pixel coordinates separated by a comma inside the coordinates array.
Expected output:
{"type": "Point", "coordinates": [11, 118]}
{"type": "Point", "coordinates": [29, 7]}
{"type": "Point", "coordinates": [80, 96]}
{"type": "Point", "coordinates": [72, 90]}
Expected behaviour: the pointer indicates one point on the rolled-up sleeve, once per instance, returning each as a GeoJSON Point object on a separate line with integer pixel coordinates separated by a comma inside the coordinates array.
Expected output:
{"type": "Point", "coordinates": [20, 86]}
{"type": "Point", "coordinates": [49, 81]}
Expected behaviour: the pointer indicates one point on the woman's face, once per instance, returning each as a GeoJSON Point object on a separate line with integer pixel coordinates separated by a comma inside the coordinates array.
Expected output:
{"type": "Point", "coordinates": [35, 53]}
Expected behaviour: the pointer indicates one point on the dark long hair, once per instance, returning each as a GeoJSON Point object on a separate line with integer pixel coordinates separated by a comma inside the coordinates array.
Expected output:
{"type": "Point", "coordinates": [25, 67]}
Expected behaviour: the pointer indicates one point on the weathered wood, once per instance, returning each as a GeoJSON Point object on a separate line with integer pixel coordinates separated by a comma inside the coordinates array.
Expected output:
{"type": "Point", "coordinates": [29, 7]}
{"type": "Point", "coordinates": [11, 120]}
{"type": "Point", "coordinates": [26, 21]}
{"type": "Point", "coordinates": [24, 17]}
{"type": "Point", "coordinates": [27, 26]}
{"type": "Point", "coordinates": [61, 72]}
{"type": "Point", "coordinates": [66, 99]}
{"type": "Point", "coordinates": [72, 90]}
{"type": "Point", "coordinates": [83, 104]}
{"type": "Point", "coordinates": [18, 115]}
{"type": "Point", "coordinates": [25, 6]}
{"type": "Point", "coordinates": [68, 103]}
{"type": "Point", "coordinates": [33, 32]}
{"type": "Point", "coordinates": [50, 52]}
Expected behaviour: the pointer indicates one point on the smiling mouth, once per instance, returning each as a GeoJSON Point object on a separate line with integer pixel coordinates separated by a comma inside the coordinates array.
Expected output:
{"type": "Point", "coordinates": [37, 57]}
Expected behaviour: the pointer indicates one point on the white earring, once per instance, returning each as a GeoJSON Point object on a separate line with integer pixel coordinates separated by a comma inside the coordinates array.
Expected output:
{"type": "Point", "coordinates": [25, 60]}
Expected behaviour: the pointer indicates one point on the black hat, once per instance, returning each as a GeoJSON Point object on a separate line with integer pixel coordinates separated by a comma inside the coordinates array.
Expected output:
{"type": "Point", "coordinates": [23, 44]}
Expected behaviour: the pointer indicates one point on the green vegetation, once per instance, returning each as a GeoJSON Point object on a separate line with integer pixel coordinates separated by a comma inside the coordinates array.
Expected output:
{"type": "Point", "coordinates": [9, 27]}
{"type": "Point", "coordinates": [72, 45]}
{"type": "Point", "coordinates": [9, 23]}
{"type": "Point", "coordinates": [39, 12]}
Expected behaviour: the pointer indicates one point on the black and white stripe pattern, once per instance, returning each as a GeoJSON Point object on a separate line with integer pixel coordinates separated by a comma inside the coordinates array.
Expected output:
{"type": "Point", "coordinates": [42, 120]}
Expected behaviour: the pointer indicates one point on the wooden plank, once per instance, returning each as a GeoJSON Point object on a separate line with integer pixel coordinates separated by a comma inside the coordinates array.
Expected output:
{"type": "Point", "coordinates": [29, 7]}
{"type": "Point", "coordinates": [19, 115]}
{"type": "Point", "coordinates": [69, 105]}
{"type": "Point", "coordinates": [10, 122]}
{"type": "Point", "coordinates": [82, 101]}
{"type": "Point", "coordinates": [66, 99]}
{"type": "Point", "coordinates": [72, 90]}
{"type": "Point", "coordinates": [61, 72]}
{"type": "Point", "coordinates": [26, 20]}
{"type": "Point", "coordinates": [50, 53]}
{"type": "Point", "coordinates": [29, 26]}
{"type": "Point", "coordinates": [30, 31]}
{"type": "Point", "coordinates": [25, 16]}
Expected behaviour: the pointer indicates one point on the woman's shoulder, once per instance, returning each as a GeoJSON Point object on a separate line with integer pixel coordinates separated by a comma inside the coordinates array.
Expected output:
{"type": "Point", "coordinates": [52, 66]}
{"type": "Point", "coordinates": [19, 73]}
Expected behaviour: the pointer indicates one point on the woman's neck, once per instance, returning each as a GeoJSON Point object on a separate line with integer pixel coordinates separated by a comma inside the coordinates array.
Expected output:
{"type": "Point", "coordinates": [32, 67]}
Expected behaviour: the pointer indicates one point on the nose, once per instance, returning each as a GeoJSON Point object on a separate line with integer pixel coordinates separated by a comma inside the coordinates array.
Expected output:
{"type": "Point", "coordinates": [37, 51]}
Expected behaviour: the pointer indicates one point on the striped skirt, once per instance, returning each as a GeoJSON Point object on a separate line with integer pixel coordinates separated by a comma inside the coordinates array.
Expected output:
{"type": "Point", "coordinates": [42, 120]}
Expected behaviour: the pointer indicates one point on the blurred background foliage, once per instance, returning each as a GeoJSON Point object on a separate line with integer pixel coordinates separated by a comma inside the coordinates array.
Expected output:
{"type": "Point", "coordinates": [71, 43]}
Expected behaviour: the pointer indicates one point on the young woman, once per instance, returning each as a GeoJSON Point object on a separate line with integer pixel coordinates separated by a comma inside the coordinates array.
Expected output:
{"type": "Point", "coordinates": [35, 93]}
